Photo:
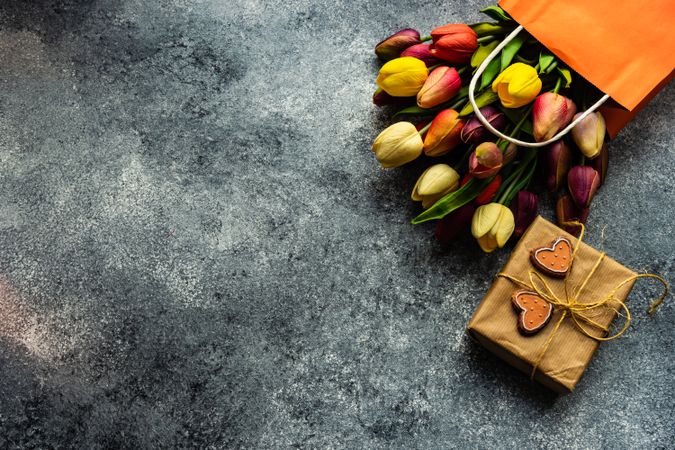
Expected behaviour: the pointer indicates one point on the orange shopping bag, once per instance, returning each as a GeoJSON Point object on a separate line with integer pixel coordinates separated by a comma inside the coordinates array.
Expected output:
{"type": "Point", "coordinates": [626, 49]}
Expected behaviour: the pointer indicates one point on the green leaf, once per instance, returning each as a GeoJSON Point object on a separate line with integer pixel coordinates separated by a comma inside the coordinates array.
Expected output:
{"type": "Point", "coordinates": [511, 49]}
{"type": "Point", "coordinates": [566, 76]}
{"type": "Point", "coordinates": [453, 200]}
{"type": "Point", "coordinates": [487, 29]}
{"type": "Point", "coordinates": [483, 99]}
{"type": "Point", "coordinates": [483, 51]}
{"type": "Point", "coordinates": [490, 73]}
{"type": "Point", "coordinates": [496, 13]}
{"type": "Point", "coordinates": [545, 60]}
{"type": "Point", "coordinates": [514, 116]}
{"type": "Point", "coordinates": [413, 111]}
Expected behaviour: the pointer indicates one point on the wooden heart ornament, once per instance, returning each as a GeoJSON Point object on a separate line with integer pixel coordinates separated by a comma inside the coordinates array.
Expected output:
{"type": "Point", "coordinates": [535, 312]}
{"type": "Point", "coordinates": [554, 260]}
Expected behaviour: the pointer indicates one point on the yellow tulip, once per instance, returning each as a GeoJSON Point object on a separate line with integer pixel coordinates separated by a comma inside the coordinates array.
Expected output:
{"type": "Point", "coordinates": [589, 134]}
{"type": "Point", "coordinates": [517, 85]}
{"type": "Point", "coordinates": [398, 144]}
{"type": "Point", "coordinates": [492, 226]}
{"type": "Point", "coordinates": [434, 183]}
{"type": "Point", "coordinates": [402, 77]}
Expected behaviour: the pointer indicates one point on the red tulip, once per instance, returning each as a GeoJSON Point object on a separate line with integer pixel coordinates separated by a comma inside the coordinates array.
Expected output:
{"type": "Point", "coordinates": [488, 193]}
{"type": "Point", "coordinates": [441, 85]}
{"type": "Point", "coordinates": [421, 52]}
{"type": "Point", "coordinates": [551, 113]}
{"type": "Point", "coordinates": [524, 207]}
{"type": "Point", "coordinates": [583, 182]}
{"type": "Point", "coordinates": [558, 158]}
{"type": "Point", "coordinates": [454, 43]}
{"type": "Point", "coordinates": [391, 47]}
{"type": "Point", "coordinates": [443, 135]}
{"type": "Point", "coordinates": [452, 225]}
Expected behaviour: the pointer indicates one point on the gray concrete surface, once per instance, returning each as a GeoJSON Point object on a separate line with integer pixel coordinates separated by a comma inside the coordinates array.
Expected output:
{"type": "Point", "coordinates": [197, 248]}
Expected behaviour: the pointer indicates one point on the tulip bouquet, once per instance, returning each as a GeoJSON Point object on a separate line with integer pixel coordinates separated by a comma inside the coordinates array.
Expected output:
{"type": "Point", "coordinates": [525, 92]}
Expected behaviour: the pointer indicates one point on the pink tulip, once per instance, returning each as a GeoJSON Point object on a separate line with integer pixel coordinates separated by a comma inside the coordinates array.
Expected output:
{"type": "Point", "coordinates": [551, 113]}
{"type": "Point", "coordinates": [441, 85]}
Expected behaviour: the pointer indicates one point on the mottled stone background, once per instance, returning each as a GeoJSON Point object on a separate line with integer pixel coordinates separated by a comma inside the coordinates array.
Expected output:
{"type": "Point", "coordinates": [198, 249]}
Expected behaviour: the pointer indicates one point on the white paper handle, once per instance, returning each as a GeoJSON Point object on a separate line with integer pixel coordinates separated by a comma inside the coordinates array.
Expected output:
{"type": "Point", "coordinates": [496, 132]}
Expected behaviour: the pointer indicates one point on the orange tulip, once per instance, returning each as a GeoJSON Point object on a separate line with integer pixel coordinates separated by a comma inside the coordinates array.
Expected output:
{"type": "Point", "coordinates": [444, 133]}
{"type": "Point", "coordinates": [454, 43]}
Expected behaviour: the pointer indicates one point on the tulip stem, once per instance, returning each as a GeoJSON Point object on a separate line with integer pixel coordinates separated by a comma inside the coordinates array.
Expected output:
{"type": "Point", "coordinates": [424, 130]}
{"type": "Point", "coordinates": [425, 38]}
{"type": "Point", "coordinates": [486, 39]}
{"type": "Point", "coordinates": [462, 162]}
{"type": "Point", "coordinates": [520, 123]}
{"type": "Point", "coordinates": [458, 103]}
{"type": "Point", "coordinates": [515, 178]}
{"type": "Point", "coordinates": [557, 85]}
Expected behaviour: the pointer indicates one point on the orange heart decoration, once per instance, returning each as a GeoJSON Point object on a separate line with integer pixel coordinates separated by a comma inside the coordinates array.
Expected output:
{"type": "Point", "coordinates": [554, 260]}
{"type": "Point", "coordinates": [535, 312]}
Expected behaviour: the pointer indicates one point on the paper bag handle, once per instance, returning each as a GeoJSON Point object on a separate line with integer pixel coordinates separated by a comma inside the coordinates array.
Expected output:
{"type": "Point", "coordinates": [493, 130]}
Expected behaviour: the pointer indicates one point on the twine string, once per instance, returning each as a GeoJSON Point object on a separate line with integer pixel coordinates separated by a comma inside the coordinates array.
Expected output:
{"type": "Point", "coordinates": [576, 310]}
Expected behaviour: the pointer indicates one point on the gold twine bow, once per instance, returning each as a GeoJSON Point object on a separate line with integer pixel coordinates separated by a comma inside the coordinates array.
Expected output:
{"type": "Point", "coordinates": [572, 307]}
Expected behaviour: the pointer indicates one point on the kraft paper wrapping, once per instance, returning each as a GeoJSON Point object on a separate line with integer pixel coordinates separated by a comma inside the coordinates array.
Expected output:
{"type": "Point", "coordinates": [494, 324]}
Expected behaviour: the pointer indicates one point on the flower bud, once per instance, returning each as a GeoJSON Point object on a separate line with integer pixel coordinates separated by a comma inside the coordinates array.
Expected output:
{"type": "Point", "coordinates": [452, 225]}
{"type": "Point", "coordinates": [454, 43]}
{"type": "Point", "coordinates": [443, 135]}
{"type": "Point", "coordinates": [423, 53]}
{"type": "Point", "coordinates": [441, 85]}
{"type": "Point", "coordinates": [582, 182]}
{"type": "Point", "coordinates": [486, 160]}
{"type": "Point", "coordinates": [566, 211]}
{"type": "Point", "coordinates": [517, 85]}
{"type": "Point", "coordinates": [524, 207]}
{"type": "Point", "coordinates": [475, 132]}
{"type": "Point", "coordinates": [392, 46]}
{"type": "Point", "coordinates": [492, 226]}
{"type": "Point", "coordinates": [402, 77]}
{"type": "Point", "coordinates": [589, 134]}
{"type": "Point", "coordinates": [488, 193]}
{"type": "Point", "coordinates": [397, 145]}
{"type": "Point", "coordinates": [558, 158]}
{"type": "Point", "coordinates": [600, 163]}
{"type": "Point", "coordinates": [434, 183]}
{"type": "Point", "coordinates": [551, 113]}
{"type": "Point", "coordinates": [510, 153]}
{"type": "Point", "coordinates": [381, 98]}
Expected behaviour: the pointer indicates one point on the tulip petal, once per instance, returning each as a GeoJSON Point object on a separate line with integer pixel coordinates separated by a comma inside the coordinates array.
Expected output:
{"type": "Point", "coordinates": [504, 227]}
